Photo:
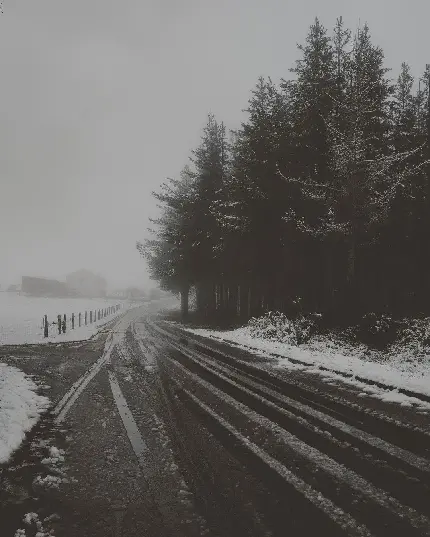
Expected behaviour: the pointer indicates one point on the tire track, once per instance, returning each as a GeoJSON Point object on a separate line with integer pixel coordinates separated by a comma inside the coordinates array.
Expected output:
{"type": "Point", "coordinates": [230, 382]}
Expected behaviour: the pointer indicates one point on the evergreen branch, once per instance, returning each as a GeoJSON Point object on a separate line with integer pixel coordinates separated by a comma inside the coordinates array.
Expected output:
{"type": "Point", "coordinates": [308, 184]}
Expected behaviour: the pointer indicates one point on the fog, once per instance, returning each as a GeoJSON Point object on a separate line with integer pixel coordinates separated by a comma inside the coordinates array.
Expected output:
{"type": "Point", "coordinates": [101, 100]}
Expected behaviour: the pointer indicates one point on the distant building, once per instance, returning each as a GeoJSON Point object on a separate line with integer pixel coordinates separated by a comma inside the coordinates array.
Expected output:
{"type": "Point", "coordinates": [43, 287]}
{"type": "Point", "coordinates": [13, 288]}
{"type": "Point", "coordinates": [86, 284]}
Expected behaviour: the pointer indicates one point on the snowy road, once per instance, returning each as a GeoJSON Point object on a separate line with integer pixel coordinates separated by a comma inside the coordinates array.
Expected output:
{"type": "Point", "coordinates": [358, 470]}
{"type": "Point", "coordinates": [165, 433]}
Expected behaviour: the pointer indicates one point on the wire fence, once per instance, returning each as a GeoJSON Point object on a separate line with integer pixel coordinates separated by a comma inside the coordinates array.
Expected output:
{"type": "Point", "coordinates": [32, 329]}
{"type": "Point", "coordinates": [63, 323]}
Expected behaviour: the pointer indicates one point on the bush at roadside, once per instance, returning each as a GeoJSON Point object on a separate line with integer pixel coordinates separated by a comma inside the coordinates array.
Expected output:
{"type": "Point", "coordinates": [275, 326]}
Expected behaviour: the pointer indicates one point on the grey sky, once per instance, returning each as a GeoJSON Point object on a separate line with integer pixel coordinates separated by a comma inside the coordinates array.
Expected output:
{"type": "Point", "coordinates": [101, 100]}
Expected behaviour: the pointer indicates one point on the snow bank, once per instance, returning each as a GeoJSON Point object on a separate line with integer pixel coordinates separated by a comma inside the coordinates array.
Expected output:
{"type": "Point", "coordinates": [21, 318]}
{"type": "Point", "coordinates": [20, 408]}
{"type": "Point", "coordinates": [402, 371]}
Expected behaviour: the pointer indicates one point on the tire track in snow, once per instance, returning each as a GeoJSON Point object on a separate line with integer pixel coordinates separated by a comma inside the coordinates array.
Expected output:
{"type": "Point", "coordinates": [114, 338]}
{"type": "Point", "coordinates": [337, 471]}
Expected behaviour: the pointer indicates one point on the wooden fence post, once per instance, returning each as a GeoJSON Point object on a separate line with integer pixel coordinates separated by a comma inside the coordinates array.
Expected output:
{"type": "Point", "coordinates": [91, 316]}
{"type": "Point", "coordinates": [79, 320]}
{"type": "Point", "coordinates": [73, 321]}
{"type": "Point", "coordinates": [45, 326]}
{"type": "Point", "coordinates": [64, 324]}
{"type": "Point", "coordinates": [59, 323]}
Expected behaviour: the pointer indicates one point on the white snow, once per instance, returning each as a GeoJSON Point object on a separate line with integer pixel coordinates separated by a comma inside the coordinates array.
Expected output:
{"type": "Point", "coordinates": [33, 520]}
{"type": "Point", "coordinates": [399, 371]}
{"type": "Point", "coordinates": [20, 408]}
{"type": "Point", "coordinates": [56, 456]}
{"type": "Point", "coordinates": [21, 318]}
{"type": "Point", "coordinates": [49, 481]}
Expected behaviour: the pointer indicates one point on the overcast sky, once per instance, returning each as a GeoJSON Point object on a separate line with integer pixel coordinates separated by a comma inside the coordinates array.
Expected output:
{"type": "Point", "coordinates": [101, 100]}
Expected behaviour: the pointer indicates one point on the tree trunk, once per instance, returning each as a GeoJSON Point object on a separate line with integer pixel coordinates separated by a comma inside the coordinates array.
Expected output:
{"type": "Point", "coordinates": [232, 301]}
{"type": "Point", "coordinates": [328, 280]}
{"type": "Point", "coordinates": [243, 301]}
{"type": "Point", "coordinates": [200, 298]}
{"type": "Point", "coordinates": [222, 296]}
{"type": "Point", "coordinates": [218, 296]}
{"type": "Point", "coordinates": [351, 304]}
{"type": "Point", "coordinates": [184, 301]}
{"type": "Point", "coordinates": [351, 263]}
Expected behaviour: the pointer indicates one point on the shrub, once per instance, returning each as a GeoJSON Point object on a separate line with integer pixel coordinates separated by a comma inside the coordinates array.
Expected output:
{"type": "Point", "coordinates": [415, 335]}
{"type": "Point", "coordinates": [275, 326]}
{"type": "Point", "coordinates": [306, 326]}
{"type": "Point", "coordinates": [377, 330]}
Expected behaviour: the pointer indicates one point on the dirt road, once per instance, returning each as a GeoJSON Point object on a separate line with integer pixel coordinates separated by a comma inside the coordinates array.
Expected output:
{"type": "Point", "coordinates": [157, 433]}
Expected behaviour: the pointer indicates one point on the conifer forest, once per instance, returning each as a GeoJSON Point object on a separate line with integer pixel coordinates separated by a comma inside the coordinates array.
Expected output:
{"type": "Point", "coordinates": [321, 198]}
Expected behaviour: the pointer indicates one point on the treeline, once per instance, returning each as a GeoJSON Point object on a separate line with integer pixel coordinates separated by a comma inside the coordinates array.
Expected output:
{"type": "Point", "coordinates": [323, 193]}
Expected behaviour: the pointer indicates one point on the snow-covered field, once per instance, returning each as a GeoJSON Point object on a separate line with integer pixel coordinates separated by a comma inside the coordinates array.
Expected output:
{"type": "Point", "coordinates": [400, 370]}
{"type": "Point", "coordinates": [21, 318]}
{"type": "Point", "coordinates": [20, 407]}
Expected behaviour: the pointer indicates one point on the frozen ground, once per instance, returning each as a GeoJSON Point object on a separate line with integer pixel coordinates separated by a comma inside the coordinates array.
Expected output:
{"type": "Point", "coordinates": [21, 318]}
{"type": "Point", "coordinates": [20, 408]}
{"type": "Point", "coordinates": [400, 369]}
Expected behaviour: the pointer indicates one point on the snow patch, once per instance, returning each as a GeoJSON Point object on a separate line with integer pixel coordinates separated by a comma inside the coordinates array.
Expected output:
{"type": "Point", "coordinates": [49, 481]}
{"type": "Point", "coordinates": [21, 318]}
{"type": "Point", "coordinates": [20, 408]}
{"type": "Point", "coordinates": [33, 520]}
{"type": "Point", "coordinates": [398, 371]}
{"type": "Point", "coordinates": [56, 456]}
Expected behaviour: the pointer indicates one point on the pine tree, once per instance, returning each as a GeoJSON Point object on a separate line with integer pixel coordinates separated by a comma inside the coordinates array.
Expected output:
{"type": "Point", "coordinates": [259, 197]}
{"type": "Point", "coordinates": [324, 192]}
{"type": "Point", "coordinates": [364, 175]}
{"type": "Point", "coordinates": [310, 95]}
{"type": "Point", "coordinates": [421, 233]}
{"type": "Point", "coordinates": [171, 255]}
{"type": "Point", "coordinates": [211, 163]}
